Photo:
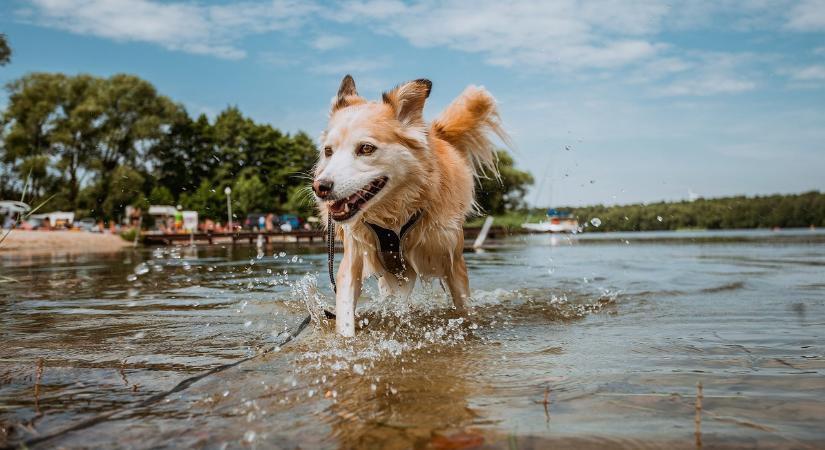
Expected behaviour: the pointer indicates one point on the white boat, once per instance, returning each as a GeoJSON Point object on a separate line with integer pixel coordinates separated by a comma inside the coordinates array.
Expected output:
{"type": "Point", "coordinates": [557, 222]}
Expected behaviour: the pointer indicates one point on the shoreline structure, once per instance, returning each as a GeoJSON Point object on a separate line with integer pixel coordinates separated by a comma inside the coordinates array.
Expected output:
{"type": "Point", "coordinates": [23, 242]}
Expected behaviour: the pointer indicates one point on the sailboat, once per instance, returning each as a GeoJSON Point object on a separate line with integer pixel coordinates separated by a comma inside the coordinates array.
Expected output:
{"type": "Point", "coordinates": [557, 222]}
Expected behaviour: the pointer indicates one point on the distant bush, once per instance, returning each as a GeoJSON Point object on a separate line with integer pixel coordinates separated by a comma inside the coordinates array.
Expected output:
{"type": "Point", "coordinates": [784, 211]}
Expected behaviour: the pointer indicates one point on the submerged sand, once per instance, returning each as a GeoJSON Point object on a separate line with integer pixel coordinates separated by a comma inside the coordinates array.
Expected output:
{"type": "Point", "coordinates": [22, 241]}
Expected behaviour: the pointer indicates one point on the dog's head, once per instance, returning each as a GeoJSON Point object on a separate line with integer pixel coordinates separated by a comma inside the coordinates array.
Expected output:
{"type": "Point", "coordinates": [372, 153]}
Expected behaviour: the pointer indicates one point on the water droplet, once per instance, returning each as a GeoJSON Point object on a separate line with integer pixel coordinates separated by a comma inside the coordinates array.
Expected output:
{"type": "Point", "coordinates": [141, 269]}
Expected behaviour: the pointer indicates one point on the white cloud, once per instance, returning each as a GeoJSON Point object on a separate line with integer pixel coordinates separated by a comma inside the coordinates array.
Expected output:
{"type": "Point", "coordinates": [352, 66]}
{"type": "Point", "coordinates": [329, 42]}
{"type": "Point", "coordinates": [280, 60]}
{"type": "Point", "coordinates": [561, 35]}
{"type": "Point", "coordinates": [807, 15]}
{"type": "Point", "coordinates": [602, 39]}
{"type": "Point", "coordinates": [705, 74]}
{"type": "Point", "coordinates": [189, 27]}
{"type": "Point", "coordinates": [808, 73]}
{"type": "Point", "coordinates": [705, 85]}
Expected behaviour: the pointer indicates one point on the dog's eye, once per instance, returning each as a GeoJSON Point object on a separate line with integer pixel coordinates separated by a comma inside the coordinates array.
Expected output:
{"type": "Point", "coordinates": [366, 149]}
{"type": "Point", "coordinates": [327, 151]}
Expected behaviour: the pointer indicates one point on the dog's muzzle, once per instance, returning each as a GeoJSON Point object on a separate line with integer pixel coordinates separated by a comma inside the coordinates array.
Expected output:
{"type": "Point", "coordinates": [345, 208]}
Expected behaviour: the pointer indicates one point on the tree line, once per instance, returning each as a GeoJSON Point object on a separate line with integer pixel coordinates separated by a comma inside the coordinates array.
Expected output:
{"type": "Point", "coordinates": [740, 212]}
{"type": "Point", "coordinates": [95, 145]}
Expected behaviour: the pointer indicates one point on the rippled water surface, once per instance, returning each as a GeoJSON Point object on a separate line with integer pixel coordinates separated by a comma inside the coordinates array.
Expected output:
{"type": "Point", "coordinates": [590, 342]}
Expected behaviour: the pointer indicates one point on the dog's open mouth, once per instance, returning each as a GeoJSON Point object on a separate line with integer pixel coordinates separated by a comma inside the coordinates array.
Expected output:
{"type": "Point", "coordinates": [345, 208]}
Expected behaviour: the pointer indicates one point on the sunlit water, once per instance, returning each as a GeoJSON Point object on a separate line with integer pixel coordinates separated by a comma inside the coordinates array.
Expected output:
{"type": "Point", "coordinates": [593, 341]}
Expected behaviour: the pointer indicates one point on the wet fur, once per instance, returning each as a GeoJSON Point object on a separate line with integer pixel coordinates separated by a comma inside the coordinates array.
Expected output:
{"type": "Point", "coordinates": [431, 168]}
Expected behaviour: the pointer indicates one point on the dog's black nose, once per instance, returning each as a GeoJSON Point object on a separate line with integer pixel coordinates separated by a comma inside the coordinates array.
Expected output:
{"type": "Point", "coordinates": [322, 188]}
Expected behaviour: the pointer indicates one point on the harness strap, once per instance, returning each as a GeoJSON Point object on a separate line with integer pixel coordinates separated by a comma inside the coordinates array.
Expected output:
{"type": "Point", "coordinates": [389, 247]}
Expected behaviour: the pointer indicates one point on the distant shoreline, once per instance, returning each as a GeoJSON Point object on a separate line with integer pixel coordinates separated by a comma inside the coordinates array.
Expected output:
{"type": "Point", "coordinates": [33, 242]}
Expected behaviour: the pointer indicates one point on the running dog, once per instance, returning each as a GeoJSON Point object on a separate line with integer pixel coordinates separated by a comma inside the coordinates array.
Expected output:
{"type": "Point", "coordinates": [400, 188]}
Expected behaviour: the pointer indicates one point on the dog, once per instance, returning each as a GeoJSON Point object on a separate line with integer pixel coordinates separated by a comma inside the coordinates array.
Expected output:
{"type": "Point", "coordinates": [401, 188]}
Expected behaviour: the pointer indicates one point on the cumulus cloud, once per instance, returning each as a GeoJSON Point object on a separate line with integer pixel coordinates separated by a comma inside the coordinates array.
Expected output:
{"type": "Point", "coordinates": [704, 85]}
{"type": "Point", "coordinates": [329, 42]}
{"type": "Point", "coordinates": [559, 35]}
{"type": "Point", "coordinates": [351, 65]}
{"type": "Point", "coordinates": [807, 73]}
{"type": "Point", "coordinates": [615, 39]}
{"type": "Point", "coordinates": [807, 15]}
{"type": "Point", "coordinates": [708, 73]}
{"type": "Point", "coordinates": [194, 28]}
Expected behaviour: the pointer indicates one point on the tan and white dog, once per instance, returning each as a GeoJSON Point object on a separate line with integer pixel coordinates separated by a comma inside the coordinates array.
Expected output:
{"type": "Point", "coordinates": [401, 188]}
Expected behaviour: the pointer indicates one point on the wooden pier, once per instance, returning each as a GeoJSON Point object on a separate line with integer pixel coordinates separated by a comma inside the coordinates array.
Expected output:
{"type": "Point", "coordinates": [285, 237]}
{"type": "Point", "coordinates": [251, 237]}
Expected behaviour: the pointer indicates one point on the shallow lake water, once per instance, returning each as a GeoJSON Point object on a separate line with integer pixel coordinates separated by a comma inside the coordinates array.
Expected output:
{"type": "Point", "coordinates": [592, 341]}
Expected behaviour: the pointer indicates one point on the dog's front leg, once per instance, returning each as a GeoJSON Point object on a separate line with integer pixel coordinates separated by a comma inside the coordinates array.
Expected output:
{"type": "Point", "coordinates": [348, 281]}
{"type": "Point", "coordinates": [457, 280]}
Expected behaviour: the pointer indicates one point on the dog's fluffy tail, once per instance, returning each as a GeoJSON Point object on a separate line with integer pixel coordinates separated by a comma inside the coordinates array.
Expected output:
{"type": "Point", "coordinates": [468, 123]}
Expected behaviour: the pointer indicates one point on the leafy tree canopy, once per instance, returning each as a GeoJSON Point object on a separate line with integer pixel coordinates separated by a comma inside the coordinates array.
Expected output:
{"type": "Point", "coordinates": [5, 50]}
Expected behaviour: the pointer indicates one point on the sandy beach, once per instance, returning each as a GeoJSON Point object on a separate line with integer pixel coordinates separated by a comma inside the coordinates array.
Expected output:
{"type": "Point", "coordinates": [21, 241]}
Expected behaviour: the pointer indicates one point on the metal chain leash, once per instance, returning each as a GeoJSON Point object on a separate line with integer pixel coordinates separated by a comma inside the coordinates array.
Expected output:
{"type": "Point", "coordinates": [331, 252]}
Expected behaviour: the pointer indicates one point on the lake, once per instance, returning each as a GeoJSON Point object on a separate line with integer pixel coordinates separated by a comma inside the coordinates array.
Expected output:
{"type": "Point", "coordinates": [590, 341]}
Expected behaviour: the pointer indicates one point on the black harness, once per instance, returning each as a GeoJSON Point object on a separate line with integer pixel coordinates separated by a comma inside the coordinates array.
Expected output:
{"type": "Point", "coordinates": [389, 245]}
{"type": "Point", "coordinates": [390, 252]}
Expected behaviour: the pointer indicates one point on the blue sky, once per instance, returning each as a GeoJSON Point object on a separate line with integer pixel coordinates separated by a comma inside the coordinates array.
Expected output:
{"type": "Point", "coordinates": [607, 101]}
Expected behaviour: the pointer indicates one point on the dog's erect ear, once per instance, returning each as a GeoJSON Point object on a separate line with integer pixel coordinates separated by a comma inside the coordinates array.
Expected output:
{"type": "Point", "coordinates": [407, 100]}
{"type": "Point", "coordinates": [347, 87]}
{"type": "Point", "coordinates": [347, 95]}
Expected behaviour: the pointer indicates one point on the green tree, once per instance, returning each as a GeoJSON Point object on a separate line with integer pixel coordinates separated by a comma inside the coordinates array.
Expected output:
{"type": "Point", "coordinates": [134, 118]}
{"type": "Point", "coordinates": [125, 188]}
{"type": "Point", "coordinates": [5, 50]}
{"type": "Point", "coordinates": [28, 128]}
{"type": "Point", "coordinates": [785, 211]}
{"type": "Point", "coordinates": [83, 125]}
{"type": "Point", "coordinates": [160, 195]}
{"type": "Point", "coordinates": [250, 195]}
{"type": "Point", "coordinates": [208, 201]}
{"type": "Point", "coordinates": [75, 134]}
{"type": "Point", "coordinates": [186, 154]}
